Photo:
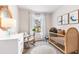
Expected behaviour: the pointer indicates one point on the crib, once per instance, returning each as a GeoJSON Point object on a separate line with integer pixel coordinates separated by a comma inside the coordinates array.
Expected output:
{"type": "Point", "coordinates": [67, 43]}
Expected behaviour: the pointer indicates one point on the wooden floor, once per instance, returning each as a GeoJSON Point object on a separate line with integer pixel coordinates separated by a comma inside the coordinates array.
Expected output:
{"type": "Point", "coordinates": [25, 50]}
{"type": "Point", "coordinates": [39, 43]}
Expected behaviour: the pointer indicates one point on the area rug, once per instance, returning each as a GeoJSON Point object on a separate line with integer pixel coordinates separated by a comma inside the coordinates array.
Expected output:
{"type": "Point", "coordinates": [43, 49]}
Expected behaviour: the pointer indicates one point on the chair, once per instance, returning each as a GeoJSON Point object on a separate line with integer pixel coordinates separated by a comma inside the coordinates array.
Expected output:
{"type": "Point", "coordinates": [29, 40]}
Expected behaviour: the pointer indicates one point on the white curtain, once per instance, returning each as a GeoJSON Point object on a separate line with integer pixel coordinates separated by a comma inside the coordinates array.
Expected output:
{"type": "Point", "coordinates": [31, 23]}
{"type": "Point", "coordinates": [43, 25]}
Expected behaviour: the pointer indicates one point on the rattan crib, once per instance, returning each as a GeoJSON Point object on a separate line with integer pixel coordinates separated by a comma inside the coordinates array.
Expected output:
{"type": "Point", "coordinates": [67, 43]}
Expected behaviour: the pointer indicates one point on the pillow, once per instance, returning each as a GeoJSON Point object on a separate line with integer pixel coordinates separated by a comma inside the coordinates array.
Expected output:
{"type": "Point", "coordinates": [60, 31]}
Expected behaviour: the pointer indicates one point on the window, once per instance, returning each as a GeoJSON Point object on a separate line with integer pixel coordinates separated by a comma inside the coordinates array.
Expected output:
{"type": "Point", "coordinates": [38, 20]}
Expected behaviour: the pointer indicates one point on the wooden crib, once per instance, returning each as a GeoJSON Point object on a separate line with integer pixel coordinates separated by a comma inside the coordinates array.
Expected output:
{"type": "Point", "coordinates": [67, 43]}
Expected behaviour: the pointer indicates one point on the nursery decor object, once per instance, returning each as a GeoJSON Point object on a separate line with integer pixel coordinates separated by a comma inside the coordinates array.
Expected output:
{"type": "Point", "coordinates": [73, 17]}
{"type": "Point", "coordinates": [65, 19]}
{"type": "Point", "coordinates": [60, 20]}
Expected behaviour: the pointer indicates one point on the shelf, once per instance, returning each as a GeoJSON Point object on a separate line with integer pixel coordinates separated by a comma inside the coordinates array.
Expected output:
{"type": "Point", "coordinates": [58, 46]}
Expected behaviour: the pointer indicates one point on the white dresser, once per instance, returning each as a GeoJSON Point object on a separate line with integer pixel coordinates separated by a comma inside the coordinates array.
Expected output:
{"type": "Point", "coordinates": [12, 44]}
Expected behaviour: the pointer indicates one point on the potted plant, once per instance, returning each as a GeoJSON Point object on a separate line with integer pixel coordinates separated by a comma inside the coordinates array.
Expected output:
{"type": "Point", "coordinates": [33, 31]}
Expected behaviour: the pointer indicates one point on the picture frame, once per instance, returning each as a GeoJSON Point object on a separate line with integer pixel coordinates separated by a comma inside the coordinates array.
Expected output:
{"type": "Point", "coordinates": [74, 17]}
{"type": "Point", "coordinates": [59, 20]}
{"type": "Point", "coordinates": [65, 19]}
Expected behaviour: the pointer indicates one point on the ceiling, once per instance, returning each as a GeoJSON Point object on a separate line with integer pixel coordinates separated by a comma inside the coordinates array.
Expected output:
{"type": "Point", "coordinates": [41, 8]}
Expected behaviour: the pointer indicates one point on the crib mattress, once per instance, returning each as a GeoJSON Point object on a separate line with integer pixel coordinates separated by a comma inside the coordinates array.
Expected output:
{"type": "Point", "coordinates": [59, 40]}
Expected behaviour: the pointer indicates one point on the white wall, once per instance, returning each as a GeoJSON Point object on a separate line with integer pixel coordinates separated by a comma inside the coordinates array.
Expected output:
{"type": "Point", "coordinates": [48, 21]}
{"type": "Point", "coordinates": [24, 20]}
{"type": "Point", "coordinates": [63, 10]}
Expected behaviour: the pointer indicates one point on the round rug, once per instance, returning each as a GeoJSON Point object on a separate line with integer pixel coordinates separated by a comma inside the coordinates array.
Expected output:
{"type": "Point", "coordinates": [43, 49]}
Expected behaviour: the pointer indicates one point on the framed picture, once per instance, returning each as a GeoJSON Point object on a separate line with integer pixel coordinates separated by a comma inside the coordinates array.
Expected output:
{"type": "Point", "coordinates": [73, 17]}
{"type": "Point", "coordinates": [65, 19]}
{"type": "Point", "coordinates": [59, 20]}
